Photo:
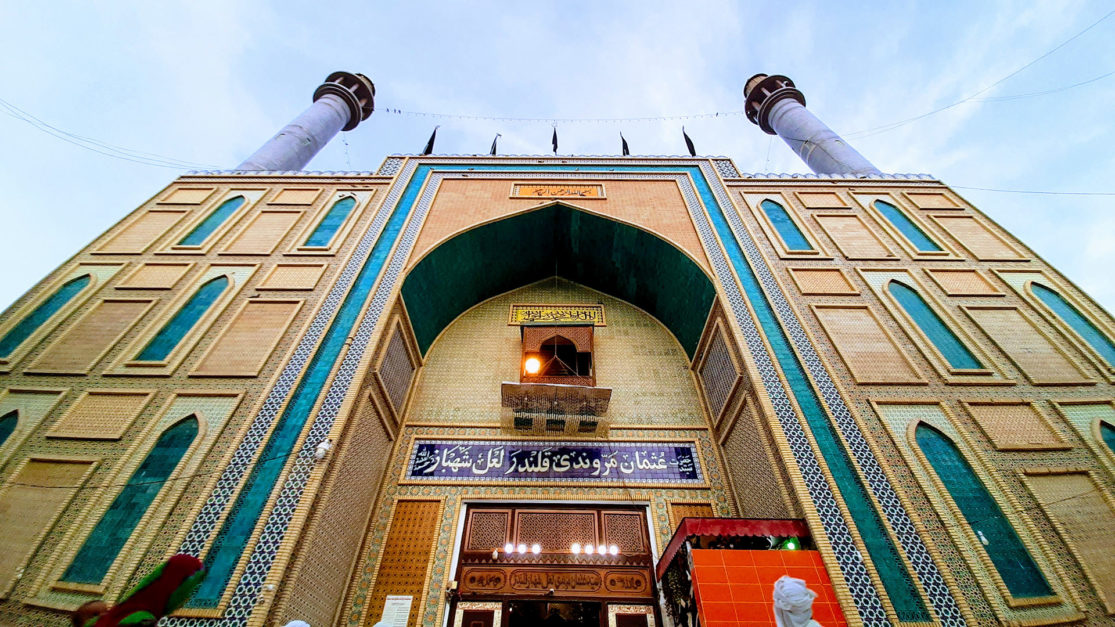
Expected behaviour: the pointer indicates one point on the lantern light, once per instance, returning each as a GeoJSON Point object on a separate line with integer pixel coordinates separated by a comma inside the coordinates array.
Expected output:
{"type": "Point", "coordinates": [532, 365]}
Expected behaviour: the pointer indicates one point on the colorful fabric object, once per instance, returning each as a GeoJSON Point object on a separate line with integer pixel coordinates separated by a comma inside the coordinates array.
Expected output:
{"type": "Point", "coordinates": [161, 592]}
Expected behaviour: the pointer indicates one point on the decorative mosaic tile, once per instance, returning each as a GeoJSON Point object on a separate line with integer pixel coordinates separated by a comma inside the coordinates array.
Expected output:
{"type": "Point", "coordinates": [390, 166]}
{"type": "Point", "coordinates": [725, 168]}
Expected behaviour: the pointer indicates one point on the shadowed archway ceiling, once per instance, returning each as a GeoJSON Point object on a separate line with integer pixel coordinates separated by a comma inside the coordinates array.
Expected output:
{"type": "Point", "coordinates": [558, 240]}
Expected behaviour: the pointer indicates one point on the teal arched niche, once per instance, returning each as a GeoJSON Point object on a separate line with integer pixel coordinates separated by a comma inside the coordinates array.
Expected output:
{"type": "Point", "coordinates": [8, 423]}
{"type": "Point", "coordinates": [618, 259]}
{"type": "Point", "coordinates": [982, 513]}
{"type": "Point", "coordinates": [115, 528]}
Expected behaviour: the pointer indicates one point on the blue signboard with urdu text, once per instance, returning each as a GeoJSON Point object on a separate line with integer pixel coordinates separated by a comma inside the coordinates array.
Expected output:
{"type": "Point", "coordinates": [555, 461]}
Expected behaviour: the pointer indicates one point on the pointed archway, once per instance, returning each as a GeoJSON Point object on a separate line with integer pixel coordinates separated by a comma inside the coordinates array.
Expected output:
{"type": "Point", "coordinates": [558, 240]}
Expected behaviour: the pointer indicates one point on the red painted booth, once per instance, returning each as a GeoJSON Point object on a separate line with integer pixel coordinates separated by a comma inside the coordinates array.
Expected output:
{"type": "Point", "coordinates": [720, 572]}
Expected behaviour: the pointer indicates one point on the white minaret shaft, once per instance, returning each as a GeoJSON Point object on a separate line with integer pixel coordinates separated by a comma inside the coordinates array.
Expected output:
{"type": "Point", "coordinates": [778, 108]}
{"type": "Point", "coordinates": [340, 103]}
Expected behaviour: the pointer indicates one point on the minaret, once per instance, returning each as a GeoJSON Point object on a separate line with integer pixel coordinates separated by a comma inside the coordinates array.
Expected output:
{"type": "Point", "coordinates": [778, 108]}
{"type": "Point", "coordinates": [340, 103]}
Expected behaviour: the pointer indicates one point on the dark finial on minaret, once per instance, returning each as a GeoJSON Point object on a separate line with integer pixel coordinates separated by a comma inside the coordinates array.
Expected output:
{"type": "Point", "coordinates": [340, 104]}
{"type": "Point", "coordinates": [776, 105]}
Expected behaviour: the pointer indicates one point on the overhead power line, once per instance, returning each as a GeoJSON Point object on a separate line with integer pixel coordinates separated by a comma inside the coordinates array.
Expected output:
{"type": "Point", "coordinates": [100, 147]}
{"type": "Point", "coordinates": [893, 125]}
{"type": "Point", "coordinates": [1033, 191]}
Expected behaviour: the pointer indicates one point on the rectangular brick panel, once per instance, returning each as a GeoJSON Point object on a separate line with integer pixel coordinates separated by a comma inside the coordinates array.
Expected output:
{"type": "Point", "coordinates": [1086, 522]}
{"type": "Point", "coordinates": [853, 238]}
{"type": "Point", "coordinates": [867, 350]}
{"type": "Point", "coordinates": [37, 496]}
{"type": "Point", "coordinates": [263, 233]}
{"type": "Point", "coordinates": [1012, 426]}
{"type": "Point", "coordinates": [155, 276]}
{"type": "Point", "coordinates": [79, 348]}
{"type": "Point", "coordinates": [293, 276]}
{"type": "Point", "coordinates": [138, 235]}
{"type": "Point", "coordinates": [1031, 351]}
{"type": "Point", "coordinates": [977, 238]}
{"type": "Point", "coordinates": [822, 281]}
{"type": "Point", "coordinates": [406, 556]}
{"type": "Point", "coordinates": [247, 341]}
{"type": "Point", "coordinates": [963, 283]}
{"type": "Point", "coordinates": [100, 415]}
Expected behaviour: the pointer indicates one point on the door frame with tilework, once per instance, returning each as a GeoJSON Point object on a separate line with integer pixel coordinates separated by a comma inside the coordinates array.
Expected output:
{"type": "Point", "coordinates": [505, 573]}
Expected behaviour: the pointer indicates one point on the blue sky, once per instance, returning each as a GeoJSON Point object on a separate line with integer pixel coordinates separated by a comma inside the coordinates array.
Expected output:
{"type": "Point", "coordinates": [208, 81]}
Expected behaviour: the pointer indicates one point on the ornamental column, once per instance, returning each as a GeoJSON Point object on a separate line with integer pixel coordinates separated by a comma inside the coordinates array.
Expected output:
{"type": "Point", "coordinates": [778, 108]}
{"type": "Point", "coordinates": [340, 103]}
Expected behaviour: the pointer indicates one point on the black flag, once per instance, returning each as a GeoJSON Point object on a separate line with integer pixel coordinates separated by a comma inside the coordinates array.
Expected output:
{"type": "Point", "coordinates": [626, 150]}
{"type": "Point", "coordinates": [688, 143]}
{"type": "Point", "coordinates": [494, 140]}
{"type": "Point", "coordinates": [554, 140]}
{"type": "Point", "coordinates": [429, 149]}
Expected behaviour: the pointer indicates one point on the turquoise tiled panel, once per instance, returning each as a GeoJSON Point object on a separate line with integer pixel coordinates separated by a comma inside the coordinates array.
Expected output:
{"type": "Point", "coordinates": [23, 330]}
{"type": "Point", "coordinates": [982, 513]}
{"type": "Point", "coordinates": [211, 222]}
{"type": "Point", "coordinates": [1107, 432]}
{"type": "Point", "coordinates": [1072, 317]}
{"type": "Point", "coordinates": [8, 424]}
{"type": "Point", "coordinates": [942, 337]}
{"type": "Point", "coordinates": [116, 526]}
{"type": "Point", "coordinates": [332, 221]}
{"type": "Point", "coordinates": [791, 235]}
{"type": "Point", "coordinates": [907, 227]}
{"type": "Point", "coordinates": [172, 333]}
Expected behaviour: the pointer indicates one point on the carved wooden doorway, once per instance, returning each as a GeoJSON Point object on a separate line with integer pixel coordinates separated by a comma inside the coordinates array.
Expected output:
{"type": "Point", "coordinates": [554, 565]}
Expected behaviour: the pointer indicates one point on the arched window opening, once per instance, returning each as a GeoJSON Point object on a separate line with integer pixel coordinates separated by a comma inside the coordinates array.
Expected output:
{"type": "Point", "coordinates": [42, 313]}
{"type": "Point", "coordinates": [114, 529]}
{"type": "Point", "coordinates": [187, 317]}
{"type": "Point", "coordinates": [1076, 320]}
{"type": "Point", "coordinates": [215, 219]}
{"type": "Point", "coordinates": [8, 424]}
{"type": "Point", "coordinates": [1015, 565]}
{"type": "Point", "coordinates": [950, 346]}
{"type": "Point", "coordinates": [791, 235]}
{"type": "Point", "coordinates": [327, 228]}
{"type": "Point", "coordinates": [907, 227]}
{"type": "Point", "coordinates": [558, 357]}
{"type": "Point", "coordinates": [1107, 432]}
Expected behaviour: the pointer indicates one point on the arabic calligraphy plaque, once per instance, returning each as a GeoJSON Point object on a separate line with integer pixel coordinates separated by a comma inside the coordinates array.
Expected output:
{"type": "Point", "coordinates": [475, 461]}
{"type": "Point", "coordinates": [557, 190]}
{"type": "Point", "coordinates": [557, 314]}
{"type": "Point", "coordinates": [564, 581]}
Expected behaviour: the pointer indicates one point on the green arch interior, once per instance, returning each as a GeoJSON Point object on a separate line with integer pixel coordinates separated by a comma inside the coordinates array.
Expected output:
{"type": "Point", "coordinates": [558, 240]}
